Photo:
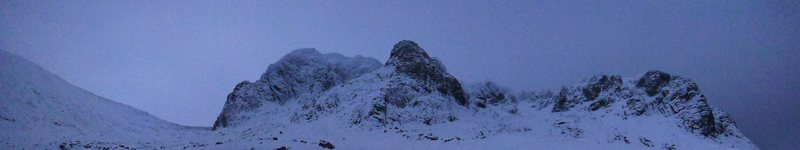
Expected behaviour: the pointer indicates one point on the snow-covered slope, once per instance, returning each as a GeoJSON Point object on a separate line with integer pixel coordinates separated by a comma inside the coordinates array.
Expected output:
{"type": "Point", "coordinates": [39, 110]}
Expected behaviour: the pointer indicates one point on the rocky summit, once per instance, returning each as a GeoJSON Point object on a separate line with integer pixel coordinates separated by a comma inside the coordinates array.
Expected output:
{"type": "Point", "coordinates": [409, 59]}
{"type": "Point", "coordinates": [301, 72]}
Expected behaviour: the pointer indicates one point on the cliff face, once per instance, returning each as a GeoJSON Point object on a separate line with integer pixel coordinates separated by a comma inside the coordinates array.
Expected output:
{"type": "Point", "coordinates": [409, 59]}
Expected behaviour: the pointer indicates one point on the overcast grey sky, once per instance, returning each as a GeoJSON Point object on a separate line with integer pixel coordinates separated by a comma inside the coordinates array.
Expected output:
{"type": "Point", "coordinates": [178, 60]}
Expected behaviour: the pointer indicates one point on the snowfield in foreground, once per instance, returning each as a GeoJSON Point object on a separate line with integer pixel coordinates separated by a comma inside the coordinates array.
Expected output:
{"type": "Point", "coordinates": [309, 100]}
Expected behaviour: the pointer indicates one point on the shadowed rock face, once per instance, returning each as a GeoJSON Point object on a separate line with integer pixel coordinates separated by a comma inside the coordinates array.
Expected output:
{"type": "Point", "coordinates": [488, 94]}
{"type": "Point", "coordinates": [599, 84]}
{"type": "Point", "coordinates": [652, 81]}
{"type": "Point", "coordinates": [409, 59]}
{"type": "Point", "coordinates": [681, 97]}
{"type": "Point", "coordinates": [241, 99]}
{"type": "Point", "coordinates": [589, 92]}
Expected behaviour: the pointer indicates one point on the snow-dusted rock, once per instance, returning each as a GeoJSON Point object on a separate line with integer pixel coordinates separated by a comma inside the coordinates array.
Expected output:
{"type": "Point", "coordinates": [301, 72]}
{"type": "Point", "coordinates": [489, 94]}
{"type": "Point", "coordinates": [599, 90]}
{"type": "Point", "coordinates": [682, 98]}
{"type": "Point", "coordinates": [409, 59]}
{"type": "Point", "coordinates": [655, 93]}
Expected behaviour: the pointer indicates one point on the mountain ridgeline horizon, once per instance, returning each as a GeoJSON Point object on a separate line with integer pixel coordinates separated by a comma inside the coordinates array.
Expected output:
{"type": "Point", "coordinates": [311, 100]}
{"type": "Point", "coordinates": [412, 87]}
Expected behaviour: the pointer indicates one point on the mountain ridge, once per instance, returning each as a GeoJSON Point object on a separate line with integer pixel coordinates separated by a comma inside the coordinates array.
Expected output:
{"type": "Point", "coordinates": [308, 100]}
{"type": "Point", "coordinates": [412, 93]}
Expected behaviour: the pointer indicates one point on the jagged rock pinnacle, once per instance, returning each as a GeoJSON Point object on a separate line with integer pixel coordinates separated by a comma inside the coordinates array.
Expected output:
{"type": "Point", "coordinates": [410, 59]}
{"type": "Point", "coordinates": [407, 51]}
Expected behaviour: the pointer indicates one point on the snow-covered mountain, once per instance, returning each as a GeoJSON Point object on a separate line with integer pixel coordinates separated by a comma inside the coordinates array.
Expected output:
{"type": "Point", "coordinates": [310, 100]}
{"type": "Point", "coordinates": [413, 103]}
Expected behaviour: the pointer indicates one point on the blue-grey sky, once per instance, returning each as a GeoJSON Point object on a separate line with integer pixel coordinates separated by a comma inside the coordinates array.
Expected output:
{"type": "Point", "coordinates": [179, 59]}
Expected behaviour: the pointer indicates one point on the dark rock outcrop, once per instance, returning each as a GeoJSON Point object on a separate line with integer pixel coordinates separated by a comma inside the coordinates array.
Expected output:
{"type": "Point", "coordinates": [681, 97]}
{"type": "Point", "coordinates": [599, 84]}
{"type": "Point", "coordinates": [412, 87]}
{"type": "Point", "coordinates": [590, 91]}
{"type": "Point", "coordinates": [326, 144]}
{"type": "Point", "coordinates": [409, 59]}
{"type": "Point", "coordinates": [652, 81]}
{"type": "Point", "coordinates": [491, 94]}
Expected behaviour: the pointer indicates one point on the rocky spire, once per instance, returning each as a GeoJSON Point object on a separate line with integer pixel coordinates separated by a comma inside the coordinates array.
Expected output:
{"type": "Point", "coordinates": [405, 52]}
{"type": "Point", "coordinates": [408, 58]}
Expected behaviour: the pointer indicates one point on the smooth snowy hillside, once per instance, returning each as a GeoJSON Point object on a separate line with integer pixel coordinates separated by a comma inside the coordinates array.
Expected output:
{"type": "Point", "coordinates": [39, 110]}
{"type": "Point", "coordinates": [413, 103]}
